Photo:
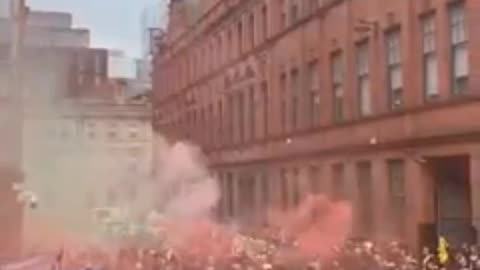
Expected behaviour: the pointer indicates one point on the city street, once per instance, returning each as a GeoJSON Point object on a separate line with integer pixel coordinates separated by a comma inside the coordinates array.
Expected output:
{"type": "Point", "coordinates": [239, 134]}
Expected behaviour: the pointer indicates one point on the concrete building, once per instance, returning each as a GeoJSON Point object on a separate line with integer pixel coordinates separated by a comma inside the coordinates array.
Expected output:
{"type": "Point", "coordinates": [57, 59]}
{"type": "Point", "coordinates": [99, 156]}
{"type": "Point", "coordinates": [48, 29]}
{"type": "Point", "coordinates": [370, 101]}
{"type": "Point", "coordinates": [66, 97]}
{"type": "Point", "coordinates": [153, 22]}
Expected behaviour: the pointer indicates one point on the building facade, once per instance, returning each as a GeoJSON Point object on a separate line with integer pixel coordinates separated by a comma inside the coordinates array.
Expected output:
{"type": "Point", "coordinates": [99, 156]}
{"type": "Point", "coordinates": [369, 101]}
{"type": "Point", "coordinates": [62, 89]}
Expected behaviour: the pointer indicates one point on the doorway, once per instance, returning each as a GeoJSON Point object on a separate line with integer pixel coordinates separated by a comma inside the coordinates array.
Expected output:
{"type": "Point", "coordinates": [453, 203]}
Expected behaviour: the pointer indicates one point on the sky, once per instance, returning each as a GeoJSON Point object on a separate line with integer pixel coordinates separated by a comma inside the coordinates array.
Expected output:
{"type": "Point", "coordinates": [114, 24]}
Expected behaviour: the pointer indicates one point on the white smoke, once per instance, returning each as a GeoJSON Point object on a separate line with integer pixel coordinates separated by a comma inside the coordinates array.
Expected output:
{"type": "Point", "coordinates": [188, 189]}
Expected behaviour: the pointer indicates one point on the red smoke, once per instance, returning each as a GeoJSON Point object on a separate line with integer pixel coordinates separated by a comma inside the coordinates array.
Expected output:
{"type": "Point", "coordinates": [316, 226]}
{"type": "Point", "coordinates": [201, 239]}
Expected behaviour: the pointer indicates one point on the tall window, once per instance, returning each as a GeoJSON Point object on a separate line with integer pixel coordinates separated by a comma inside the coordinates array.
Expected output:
{"type": "Point", "coordinates": [229, 49]}
{"type": "Point", "coordinates": [338, 91]}
{"type": "Point", "coordinates": [211, 134]}
{"type": "Point", "coordinates": [365, 192]}
{"type": "Point", "coordinates": [283, 105]}
{"type": "Point", "coordinates": [251, 30]}
{"type": "Point", "coordinates": [430, 63]}
{"type": "Point", "coordinates": [230, 119]}
{"type": "Point", "coordinates": [230, 195]}
{"type": "Point", "coordinates": [313, 175]}
{"type": "Point", "coordinates": [293, 11]}
{"type": "Point", "coordinates": [284, 189]}
{"type": "Point", "coordinates": [338, 173]}
{"type": "Point", "coordinates": [296, 196]}
{"type": "Point", "coordinates": [294, 89]}
{"type": "Point", "coordinates": [459, 49]}
{"type": "Point", "coordinates": [265, 185]}
{"type": "Point", "coordinates": [264, 22]}
{"type": "Point", "coordinates": [240, 37]}
{"type": "Point", "coordinates": [265, 107]}
{"type": "Point", "coordinates": [220, 51]}
{"type": "Point", "coordinates": [251, 111]}
{"type": "Point", "coordinates": [283, 15]}
{"type": "Point", "coordinates": [364, 92]}
{"type": "Point", "coordinates": [241, 117]}
{"type": "Point", "coordinates": [394, 69]}
{"type": "Point", "coordinates": [220, 125]}
{"type": "Point", "coordinates": [397, 195]}
{"type": "Point", "coordinates": [313, 88]}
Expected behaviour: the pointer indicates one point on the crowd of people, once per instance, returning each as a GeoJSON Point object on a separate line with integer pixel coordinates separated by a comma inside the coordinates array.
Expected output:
{"type": "Point", "coordinates": [352, 255]}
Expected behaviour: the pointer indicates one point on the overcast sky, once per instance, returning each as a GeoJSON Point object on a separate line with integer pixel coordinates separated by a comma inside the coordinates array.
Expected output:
{"type": "Point", "coordinates": [114, 24]}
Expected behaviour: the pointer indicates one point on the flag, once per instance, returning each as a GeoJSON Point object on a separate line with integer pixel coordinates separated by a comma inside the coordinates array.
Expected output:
{"type": "Point", "coordinates": [443, 250]}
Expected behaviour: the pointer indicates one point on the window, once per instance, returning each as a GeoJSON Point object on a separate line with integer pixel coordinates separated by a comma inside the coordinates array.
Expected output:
{"type": "Point", "coordinates": [314, 180]}
{"type": "Point", "coordinates": [230, 118]}
{"type": "Point", "coordinates": [240, 37]}
{"type": "Point", "coordinates": [296, 196]}
{"type": "Point", "coordinates": [230, 195]}
{"type": "Point", "coordinates": [294, 116]}
{"type": "Point", "coordinates": [313, 84]}
{"type": "Point", "coordinates": [211, 132]}
{"type": "Point", "coordinates": [241, 117]}
{"type": "Point", "coordinates": [293, 11]}
{"type": "Point", "coordinates": [394, 70]}
{"type": "Point", "coordinates": [364, 94]}
{"type": "Point", "coordinates": [458, 38]}
{"type": "Point", "coordinates": [251, 111]}
{"type": "Point", "coordinates": [283, 15]}
{"type": "Point", "coordinates": [220, 125]}
{"type": "Point", "coordinates": [397, 195]}
{"type": "Point", "coordinates": [283, 105]}
{"type": "Point", "coordinates": [265, 190]}
{"type": "Point", "coordinates": [251, 30]}
{"type": "Point", "coordinates": [264, 22]}
{"type": "Point", "coordinates": [220, 51]}
{"type": "Point", "coordinates": [338, 173]}
{"type": "Point", "coordinates": [265, 107]}
{"type": "Point", "coordinates": [430, 65]}
{"type": "Point", "coordinates": [365, 192]}
{"type": "Point", "coordinates": [229, 49]}
{"type": "Point", "coordinates": [338, 92]}
{"type": "Point", "coordinates": [98, 64]}
{"type": "Point", "coordinates": [294, 89]}
{"type": "Point", "coordinates": [284, 189]}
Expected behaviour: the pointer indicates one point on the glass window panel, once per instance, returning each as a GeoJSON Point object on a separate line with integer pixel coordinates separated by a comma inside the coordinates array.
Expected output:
{"type": "Point", "coordinates": [396, 78]}
{"type": "Point", "coordinates": [365, 97]}
{"type": "Point", "coordinates": [431, 75]}
{"type": "Point", "coordinates": [460, 61]}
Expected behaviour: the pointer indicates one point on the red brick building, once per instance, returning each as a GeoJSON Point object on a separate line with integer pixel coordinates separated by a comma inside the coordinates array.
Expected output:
{"type": "Point", "coordinates": [372, 101]}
